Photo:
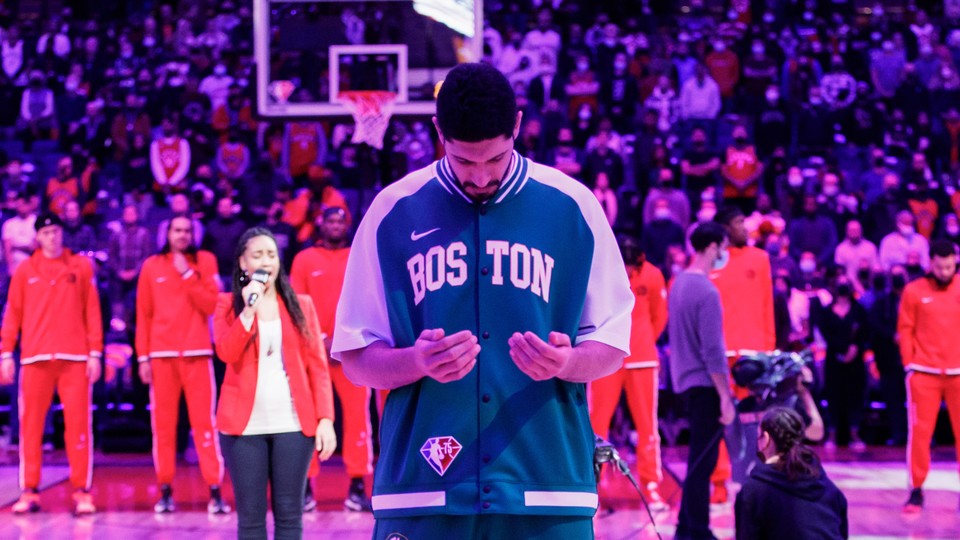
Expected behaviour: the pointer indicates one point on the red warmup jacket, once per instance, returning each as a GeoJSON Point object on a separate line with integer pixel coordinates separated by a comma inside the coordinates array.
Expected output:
{"type": "Point", "coordinates": [56, 304]}
{"type": "Point", "coordinates": [173, 311]}
{"type": "Point", "coordinates": [319, 272]}
{"type": "Point", "coordinates": [929, 327]}
{"type": "Point", "coordinates": [649, 316]}
{"type": "Point", "coordinates": [746, 293]}
{"type": "Point", "coordinates": [304, 360]}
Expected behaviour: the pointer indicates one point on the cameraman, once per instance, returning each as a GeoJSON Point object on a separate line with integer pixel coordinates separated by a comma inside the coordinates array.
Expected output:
{"type": "Point", "coordinates": [788, 496]}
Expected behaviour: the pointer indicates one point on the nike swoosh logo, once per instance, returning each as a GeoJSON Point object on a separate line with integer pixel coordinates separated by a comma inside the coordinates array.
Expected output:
{"type": "Point", "coordinates": [316, 273]}
{"type": "Point", "coordinates": [414, 236]}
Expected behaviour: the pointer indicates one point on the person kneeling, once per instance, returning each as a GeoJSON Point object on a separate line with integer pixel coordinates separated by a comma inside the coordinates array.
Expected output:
{"type": "Point", "coordinates": [788, 495]}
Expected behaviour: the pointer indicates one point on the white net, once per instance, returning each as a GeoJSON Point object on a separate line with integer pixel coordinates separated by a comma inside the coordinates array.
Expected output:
{"type": "Point", "coordinates": [371, 110]}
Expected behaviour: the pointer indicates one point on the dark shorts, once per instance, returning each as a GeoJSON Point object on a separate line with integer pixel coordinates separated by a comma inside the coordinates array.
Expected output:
{"type": "Point", "coordinates": [484, 527]}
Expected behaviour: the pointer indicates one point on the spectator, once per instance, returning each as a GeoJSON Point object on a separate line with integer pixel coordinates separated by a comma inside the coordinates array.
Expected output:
{"type": "Point", "coordinates": [566, 157]}
{"type": "Point", "coordinates": [284, 233]}
{"type": "Point", "coordinates": [129, 246]}
{"type": "Point", "coordinates": [898, 246]}
{"type": "Point", "coordinates": [662, 232]}
{"type": "Point", "coordinates": [855, 253]}
{"type": "Point", "coordinates": [582, 87]}
{"type": "Point", "coordinates": [676, 201]}
{"type": "Point", "coordinates": [12, 52]}
{"type": "Point", "coordinates": [170, 159]}
{"type": "Point", "coordinates": [607, 197]}
{"type": "Point", "coordinates": [882, 214]}
{"type": "Point", "coordinates": [812, 232]}
{"type": "Point", "coordinates": [886, 69]}
{"type": "Point", "coordinates": [233, 157]}
{"type": "Point", "coordinates": [724, 67]}
{"type": "Point", "coordinates": [663, 101]}
{"type": "Point", "coordinates": [603, 159]}
{"type": "Point", "coordinates": [618, 94]}
{"type": "Point", "coordinates": [543, 39]}
{"type": "Point", "coordinates": [741, 171]}
{"type": "Point", "coordinates": [19, 235]}
{"type": "Point", "coordinates": [838, 87]}
{"type": "Point", "coordinates": [37, 111]}
{"type": "Point", "coordinates": [759, 73]}
{"type": "Point", "coordinates": [699, 166]}
{"type": "Point", "coordinates": [78, 237]}
{"type": "Point", "coordinates": [223, 233]}
{"type": "Point", "coordinates": [773, 123]}
{"type": "Point", "coordinates": [765, 216]}
{"type": "Point", "coordinates": [700, 97]}
{"type": "Point", "coordinates": [63, 187]}
{"type": "Point", "coordinates": [887, 365]}
{"type": "Point", "coordinates": [216, 87]}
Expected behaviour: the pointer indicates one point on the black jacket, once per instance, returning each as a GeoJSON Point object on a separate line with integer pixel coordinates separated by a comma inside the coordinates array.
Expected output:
{"type": "Point", "coordinates": [770, 506]}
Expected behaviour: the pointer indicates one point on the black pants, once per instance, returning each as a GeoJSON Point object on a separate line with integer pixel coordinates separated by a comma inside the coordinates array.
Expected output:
{"type": "Point", "coordinates": [703, 408]}
{"type": "Point", "coordinates": [281, 460]}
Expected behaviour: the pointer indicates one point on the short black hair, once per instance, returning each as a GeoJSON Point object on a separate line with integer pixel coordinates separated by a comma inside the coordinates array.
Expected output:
{"type": "Point", "coordinates": [476, 103]}
{"type": "Point", "coordinates": [706, 234]}
{"type": "Point", "coordinates": [727, 213]}
{"type": "Point", "coordinates": [942, 248]}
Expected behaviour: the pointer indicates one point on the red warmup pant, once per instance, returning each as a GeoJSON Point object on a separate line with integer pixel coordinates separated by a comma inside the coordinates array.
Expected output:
{"type": "Point", "coordinates": [37, 384]}
{"type": "Point", "coordinates": [642, 387]}
{"type": "Point", "coordinates": [357, 446]}
{"type": "Point", "coordinates": [194, 377]}
{"type": "Point", "coordinates": [925, 393]}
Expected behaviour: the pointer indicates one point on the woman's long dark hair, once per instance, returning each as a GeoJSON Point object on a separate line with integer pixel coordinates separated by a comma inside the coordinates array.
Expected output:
{"type": "Point", "coordinates": [786, 428]}
{"type": "Point", "coordinates": [284, 290]}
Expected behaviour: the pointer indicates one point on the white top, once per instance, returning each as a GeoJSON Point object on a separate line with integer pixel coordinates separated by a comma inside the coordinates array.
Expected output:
{"type": "Point", "coordinates": [273, 409]}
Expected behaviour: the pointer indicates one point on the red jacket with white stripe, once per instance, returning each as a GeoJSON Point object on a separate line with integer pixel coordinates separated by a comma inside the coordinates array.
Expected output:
{"type": "Point", "coordinates": [54, 307]}
{"type": "Point", "coordinates": [928, 326]}
{"type": "Point", "coordinates": [649, 316]}
{"type": "Point", "coordinates": [173, 311]}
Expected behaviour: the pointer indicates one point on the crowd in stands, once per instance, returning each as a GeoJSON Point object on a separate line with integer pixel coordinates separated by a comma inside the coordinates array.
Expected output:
{"type": "Point", "coordinates": [833, 125]}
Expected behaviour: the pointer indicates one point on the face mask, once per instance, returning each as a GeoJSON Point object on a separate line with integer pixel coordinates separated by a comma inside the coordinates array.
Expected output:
{"type": "Point", "coordinates": [795, 180]}
{"type": "Point", "coordinates": [807, 266]}
{"type": "Point", "coordinates": [722, 260]}
{"type": "Point", "coordinates": [830, 190]}
{"type": "Point", "coordinates": [773, 248]}
{"type": "Point", "coordinates": [772, 95]}
{"type": "Point", "coordinates": [676, 269]}
{"type": "Point", "coordinates": [816, 100]}
{"type": "Point", "coordinates": [662, 213]}
{"type": "Point", "coordinates": [905, 230]}
{"type": "Point", "coordinates": [583, 66]}
{"type": "Point", "coordinates": [706, 215]}
{"type": "Point", "coordinates": [619, 66]}
{"type": "Point", "coordinates": [758, 50]}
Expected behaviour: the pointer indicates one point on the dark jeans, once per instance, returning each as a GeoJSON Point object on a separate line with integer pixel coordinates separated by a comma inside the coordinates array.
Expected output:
{"type": "Point", "coordinates": [281, 459]}
{"type": "Point", "coordinates": [703, 407]}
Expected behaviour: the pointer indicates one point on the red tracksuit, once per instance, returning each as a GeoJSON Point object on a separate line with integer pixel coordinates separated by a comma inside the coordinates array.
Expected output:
{"type": "Point", "coordinates": [54, 308]}
{"type": "Point", "coordinates": [318, 272]}
{"type": "Point", "coordinates": [930, 347]}
{"type": "Point", "coordinates": [638, 376]}
{"type": "Point", "coordinates": [746, 294]}
{"type": "Point", "coordinates": [173, 334]}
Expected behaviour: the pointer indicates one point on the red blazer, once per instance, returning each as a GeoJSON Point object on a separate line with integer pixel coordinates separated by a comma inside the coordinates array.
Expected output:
{"type": "Point", "coordinates": [305, 361]}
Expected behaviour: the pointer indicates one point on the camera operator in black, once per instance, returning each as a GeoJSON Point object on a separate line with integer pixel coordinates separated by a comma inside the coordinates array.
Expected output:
{"type": "Point", "coordinates": [788, 495]}
{"type": "Point", "coordinates": [843, 326]}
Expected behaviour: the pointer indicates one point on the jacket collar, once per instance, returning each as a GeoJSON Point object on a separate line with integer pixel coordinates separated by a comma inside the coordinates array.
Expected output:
{"type": "Point", "coordinates": [514, 180]}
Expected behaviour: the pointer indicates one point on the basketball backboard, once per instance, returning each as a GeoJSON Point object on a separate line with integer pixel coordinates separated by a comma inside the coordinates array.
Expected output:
{"type": "Point", "coordinates": [308, 51]}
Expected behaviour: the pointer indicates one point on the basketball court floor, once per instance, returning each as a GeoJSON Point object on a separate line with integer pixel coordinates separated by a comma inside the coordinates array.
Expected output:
{"type": "Point", "coordinates": [874, 483]}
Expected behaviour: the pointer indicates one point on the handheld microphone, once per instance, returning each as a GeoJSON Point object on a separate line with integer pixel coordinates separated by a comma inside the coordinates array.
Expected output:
{"type": "Point", "coordinates": [260, 276]}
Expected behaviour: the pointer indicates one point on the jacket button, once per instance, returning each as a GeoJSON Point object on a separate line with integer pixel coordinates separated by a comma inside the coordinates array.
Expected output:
{"type": "Point", "coordinates": [486, 335]}
{"type": "Point", "coordinates": [485, 398]}
{"type": "Point", "coordinates": [486, 505]}
{"type": "Point", "coordinates": [486, 489]}
{"type": "Point", "coordinates": [484, 271]}
{"type": "Point", "coordinates": [486, 459]}
{"type": "Point", "coordinates": [483, 211]}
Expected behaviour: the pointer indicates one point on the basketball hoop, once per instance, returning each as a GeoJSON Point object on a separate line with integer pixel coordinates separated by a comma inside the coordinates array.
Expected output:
{"type": "Point", "coordinates": [371, 110]}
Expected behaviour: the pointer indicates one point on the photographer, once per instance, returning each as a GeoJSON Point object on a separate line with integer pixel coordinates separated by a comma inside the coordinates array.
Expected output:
{"type": "Point", "coordinates": [788, 496]}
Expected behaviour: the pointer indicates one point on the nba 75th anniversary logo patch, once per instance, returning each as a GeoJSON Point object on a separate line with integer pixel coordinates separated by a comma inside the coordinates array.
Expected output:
{"type": "Point", "coordinates": [440, 452]}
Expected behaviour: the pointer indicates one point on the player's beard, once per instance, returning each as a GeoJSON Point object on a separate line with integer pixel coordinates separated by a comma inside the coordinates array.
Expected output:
{"type": "Point", "coordinates": [478, 194]}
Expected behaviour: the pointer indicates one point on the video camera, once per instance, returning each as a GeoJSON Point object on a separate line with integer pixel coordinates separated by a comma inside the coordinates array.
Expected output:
{"type": "Point", "coordinates": [771, 377]}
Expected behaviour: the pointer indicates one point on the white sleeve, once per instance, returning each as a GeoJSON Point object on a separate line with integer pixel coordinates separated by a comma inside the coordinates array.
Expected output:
{"type": "Point", "coordinates": [609, 301]}
{"type": "Point", "coordinates": [362, 311]}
